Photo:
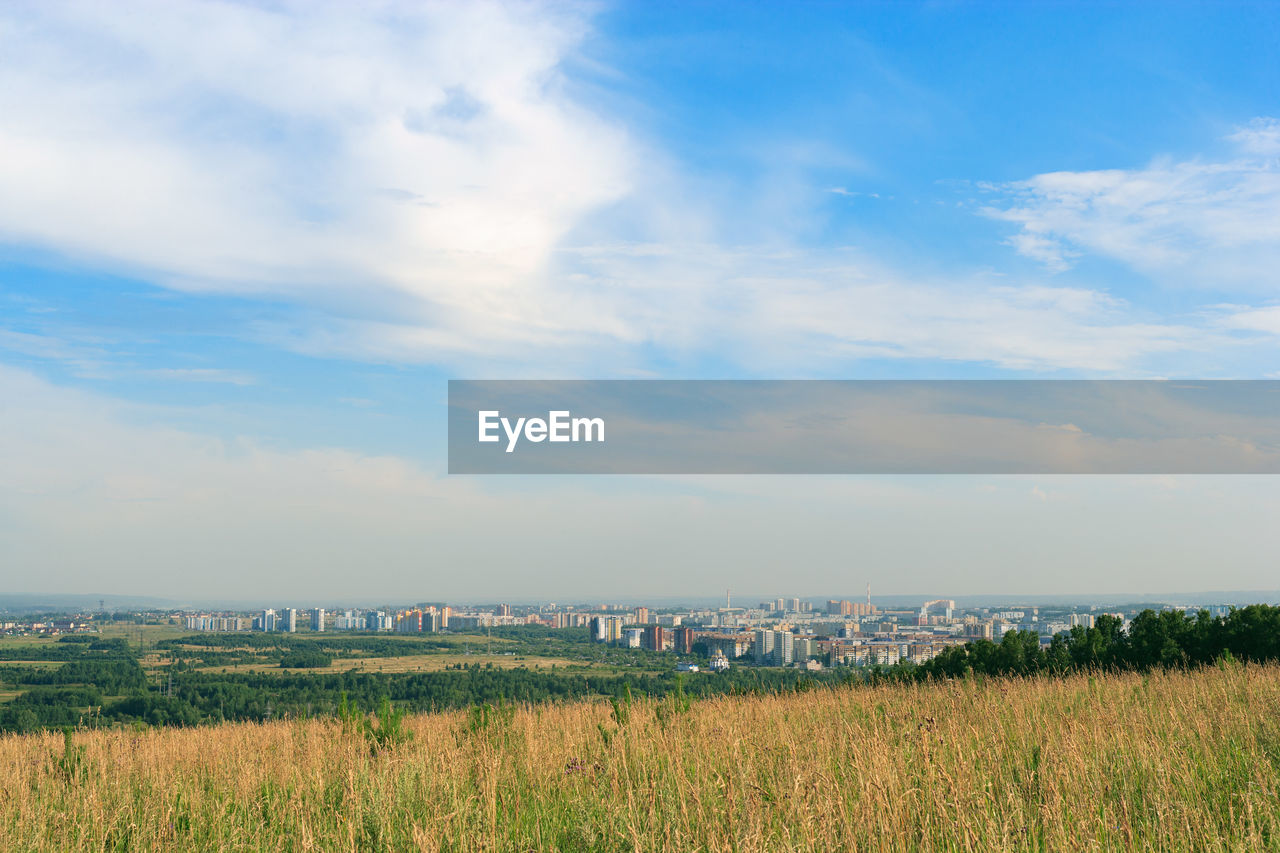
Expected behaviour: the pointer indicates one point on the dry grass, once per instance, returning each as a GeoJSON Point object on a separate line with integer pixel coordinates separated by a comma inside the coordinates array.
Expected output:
{"type": "Point", "coordinates": [1169, 761]}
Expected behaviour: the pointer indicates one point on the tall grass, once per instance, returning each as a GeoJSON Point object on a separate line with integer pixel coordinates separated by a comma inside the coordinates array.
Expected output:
{"type": "Point", "coordinates": [1167, 761]}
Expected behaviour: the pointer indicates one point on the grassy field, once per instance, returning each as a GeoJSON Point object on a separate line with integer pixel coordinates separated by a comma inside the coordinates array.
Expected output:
{"type": "Point", "coordinates": [433, 662]}
{"type": "Point", "coordinates": [1167, 761]}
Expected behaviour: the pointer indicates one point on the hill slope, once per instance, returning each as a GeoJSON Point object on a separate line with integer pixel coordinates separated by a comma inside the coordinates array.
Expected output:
{"type": "Point", "coordinates": [1170, 760]}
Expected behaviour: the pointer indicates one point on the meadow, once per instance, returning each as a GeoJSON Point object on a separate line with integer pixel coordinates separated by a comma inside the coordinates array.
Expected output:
{"type": "Point", "coordinates": [1174, 759]}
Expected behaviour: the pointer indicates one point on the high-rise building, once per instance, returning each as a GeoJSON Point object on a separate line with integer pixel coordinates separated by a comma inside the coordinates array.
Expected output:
{"type": "Point", "coordinates": [317, 619]}
{"type": "Point", "coordinates": [268, 619]}
{"type": "Point", "coordinates": [795, 605]}
{"type": "Point", "coordinates": [783, 648]}
{"type": "Point", "coordinates": [348, 621]}
{"type": "Point", "coordinates": [605, 629]}
{"type": "Point", "coordinates": [641, 616]}
{"type": "Point", "coordinates": [763, 647]}
{"type": "Point", "coordinates": [409, 622]}
{"type": "Point", "coordinates": [981, 630]}
{"type": "Point", "coordinates": [1084, 620]}
{"type": "Point", "coordinates": [655, 639]}
{"type": "Point", "coordinates": [290, 620]}
{"type": "Point", "coordinates": [683, 640]}
{"type": "Point", "coordinates": [780, 605]}
{"type": "Point", "coordinates": [219, 623]}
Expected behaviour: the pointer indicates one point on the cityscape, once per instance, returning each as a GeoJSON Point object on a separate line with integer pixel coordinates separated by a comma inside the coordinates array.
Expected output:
{"type": "Point", "coordinates": [795, 632]}
{"type": "Point", "coordinates": [601, 425]}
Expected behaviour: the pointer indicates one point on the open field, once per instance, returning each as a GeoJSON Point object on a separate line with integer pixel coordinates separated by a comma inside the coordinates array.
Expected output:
{"type": "Point", "coordinates": [11, 641]}
{"type": "Point", "coordinates": [1170, 760]}
{"type": "Point", "coordinates": [415, 663]}
{"type": "Point", "coordinates": [145, 634]}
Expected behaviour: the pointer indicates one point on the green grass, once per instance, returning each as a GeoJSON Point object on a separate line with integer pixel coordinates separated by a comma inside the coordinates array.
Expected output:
{"type": "Point", "coordinates": [1173, 761]}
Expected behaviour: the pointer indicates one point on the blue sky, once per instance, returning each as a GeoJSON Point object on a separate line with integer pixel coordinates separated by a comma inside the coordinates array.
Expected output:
{"type": "Point", "coordinates": [245, 246]}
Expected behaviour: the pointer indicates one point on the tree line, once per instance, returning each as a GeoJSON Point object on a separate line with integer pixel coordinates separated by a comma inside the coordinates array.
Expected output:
{"type": "Point", "coordinates": [1170, 638]}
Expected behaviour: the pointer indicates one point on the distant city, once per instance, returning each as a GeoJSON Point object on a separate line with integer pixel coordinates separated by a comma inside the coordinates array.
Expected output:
{"type": "Point", "coordinates": [783, 632]}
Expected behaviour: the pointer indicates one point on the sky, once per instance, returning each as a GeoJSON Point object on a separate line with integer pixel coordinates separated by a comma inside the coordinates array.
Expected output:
{"type": "Point", "coordinates": [244, 246]}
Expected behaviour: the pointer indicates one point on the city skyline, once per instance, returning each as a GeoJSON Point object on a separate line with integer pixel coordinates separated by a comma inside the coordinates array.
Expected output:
{"type": "Point", "coordinates": [778, 633]}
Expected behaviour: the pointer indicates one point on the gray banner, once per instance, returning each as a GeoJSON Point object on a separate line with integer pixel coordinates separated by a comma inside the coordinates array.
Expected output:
{"type": "Point", "coordinates": [864, 427]}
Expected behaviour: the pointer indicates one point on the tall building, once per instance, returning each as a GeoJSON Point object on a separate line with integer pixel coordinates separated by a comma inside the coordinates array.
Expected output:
{"type": "Point", "coordinates": [348, 621]}
{"type": "Point", "coordinates": [763, 647]}
{"type": "Point", "coordinates": [655, 639]}
{"type": "Point", "coordinates": [1084, 620]}
{"type": "Point", "coordinates": [980, 630]}
{"type": "Point", "coordinates": [795, 605]}
{"type": "Point", "coordinates": [783, 648]}
{"type": "Point", "coordinates": [409, 622]}
{"type": "Point", "coordinates": [268, 620]}
{"type": "Point", "coordinates": [683, 640]}
{"type": "Point", "coordinates": [606, 629]}
{"type": "Point", "coordinates": [317, 619]}
{"type": "Point", "coordinates": [218, 623]}
{"type": "Point", "coordinates": [290, 620]}
{"type": "Point", "coordinates": [641, 616]}
{"type": "Point", "coordinates": [780, 605]}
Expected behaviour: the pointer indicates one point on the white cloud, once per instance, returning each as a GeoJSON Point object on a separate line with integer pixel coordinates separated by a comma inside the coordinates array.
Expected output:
{"type": "Point", "coordinates": [1251, 319]}
{"type": "Point", "coordinates": [785, 314]}
{"type": "Point", "coordinates": [1260, 136]}
{"type": "Point", "coordinates": [326, 151]}
{"type": "Point", "coordinates": [420, 182]}
{"type": "Point", "coordinates": [799, 312]}
{"type": "Point", "coordinates": [1193, 222]}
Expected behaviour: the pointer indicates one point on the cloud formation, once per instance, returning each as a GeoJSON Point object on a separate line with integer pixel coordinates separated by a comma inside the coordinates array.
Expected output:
{"type": "Point", "coordinates": [426, 184]}
{"type": "Point", "coordinates": [330, 152]}
{"type": "Point", "coordinates": [1201, 223]}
